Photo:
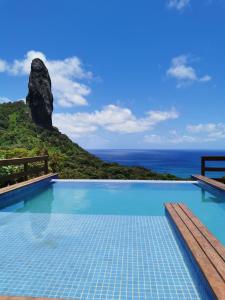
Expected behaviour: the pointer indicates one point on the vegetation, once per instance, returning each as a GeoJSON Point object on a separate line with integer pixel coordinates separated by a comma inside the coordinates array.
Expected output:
{"type": "Point", "coordinates": [20, 137]}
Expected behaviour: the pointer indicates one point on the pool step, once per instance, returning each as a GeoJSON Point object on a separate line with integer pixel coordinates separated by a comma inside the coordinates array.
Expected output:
{"type": "Point", "coordinates": [208, 252]}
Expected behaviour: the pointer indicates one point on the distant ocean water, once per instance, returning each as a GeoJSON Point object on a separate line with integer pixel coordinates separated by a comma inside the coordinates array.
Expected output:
{"type": "Point", "coordinates": [182, 163]}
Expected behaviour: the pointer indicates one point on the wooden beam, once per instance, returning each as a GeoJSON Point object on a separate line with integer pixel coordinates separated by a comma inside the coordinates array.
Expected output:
{"type": "Point", "coordinates": [20, 161]}
{"type": "Point", "coordinates": [213, 158]}
{"type": "Point", "coordinates": [214, 169]}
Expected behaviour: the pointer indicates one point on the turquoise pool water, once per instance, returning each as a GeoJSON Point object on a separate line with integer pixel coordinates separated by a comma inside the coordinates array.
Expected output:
{"type": "Point", "coordinates": [102, 240]}
{"type": "Point", "coordinates": [125, 198]}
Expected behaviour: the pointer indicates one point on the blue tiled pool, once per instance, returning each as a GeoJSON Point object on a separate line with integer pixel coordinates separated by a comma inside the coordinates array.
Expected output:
{"type": "Point", "coordinates": [123, 198]}
{"type": "Point", "coordinates": [82, 240]}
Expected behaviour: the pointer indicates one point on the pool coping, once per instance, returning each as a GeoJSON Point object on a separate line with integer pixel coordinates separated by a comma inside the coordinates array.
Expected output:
{"type": "Point", "coordinates": [124, 181]}
{"type": "Point", "coordinates": [26, 183]}
{"type": "Point", "coordinates": [207, 251]}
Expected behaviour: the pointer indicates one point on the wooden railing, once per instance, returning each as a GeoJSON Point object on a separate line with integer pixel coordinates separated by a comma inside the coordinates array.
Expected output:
{"type": "Point", "coordinates": [204, 168]}
{"type": "Point", "coordinates": [25, 170]}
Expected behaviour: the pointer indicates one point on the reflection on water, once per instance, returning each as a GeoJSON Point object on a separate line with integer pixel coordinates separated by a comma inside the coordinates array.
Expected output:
{"type": "Point", "coordinates": [38, 229]}
{"type": "Point", "coordinates": [210, 194]}
{"type": "Point", "coordinates": [110, 198]}
{"type": "Point", "coordinates": [72, 200]}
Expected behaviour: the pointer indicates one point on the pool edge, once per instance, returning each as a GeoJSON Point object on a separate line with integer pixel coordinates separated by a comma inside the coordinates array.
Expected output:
{"type": "Point", "coordinates": [27, 183]}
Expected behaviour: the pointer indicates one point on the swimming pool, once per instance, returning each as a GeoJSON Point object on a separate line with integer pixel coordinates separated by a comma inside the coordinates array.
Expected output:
{"type": "Point", "coordinates": [102, 240]}
{"type": "Point", "coordinates": [125, 198]}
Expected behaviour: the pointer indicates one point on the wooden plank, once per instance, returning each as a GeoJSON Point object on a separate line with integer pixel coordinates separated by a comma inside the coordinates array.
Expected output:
{"type": "Point", "coordinates": [211, 274]}
{"type": "Point", "coordinates": [216, 260]}
{"type": "Point", "coordinates": [207, 234]}
{"type": "Point", "coordinates": [212, 182]}
{"type": "Point", "coordinates": [26, 183]}
{"type": "Point", "coordinates": [20, 161]}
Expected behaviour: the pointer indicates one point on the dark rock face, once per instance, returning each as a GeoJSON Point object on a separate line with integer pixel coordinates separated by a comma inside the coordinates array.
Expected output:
{"type": "Point", "coordinates": [40, 98]}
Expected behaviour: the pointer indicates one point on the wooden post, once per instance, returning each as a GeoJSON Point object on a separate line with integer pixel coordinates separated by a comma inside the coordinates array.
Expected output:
{"type": "Point", "coordinates": [25, 170]}
{"type": "Point", "coordinates": [46, 166]}
{"type": "Point", "coordinates": [203, 166]}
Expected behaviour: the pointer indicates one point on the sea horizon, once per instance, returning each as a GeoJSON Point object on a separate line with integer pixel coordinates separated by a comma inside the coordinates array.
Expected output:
{"type": "Point", "coordinates": [180, 162]}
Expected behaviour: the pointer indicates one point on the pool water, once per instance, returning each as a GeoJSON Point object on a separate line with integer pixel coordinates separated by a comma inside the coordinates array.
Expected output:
{"type": "Point", "coordinates": [102, 240]}
{"type": "Point", "coordinates": [126, 198]}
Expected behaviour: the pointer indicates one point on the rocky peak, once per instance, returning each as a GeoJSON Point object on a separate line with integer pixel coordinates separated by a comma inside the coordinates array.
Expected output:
{"type": "Point", "coordinates": [40, 98]}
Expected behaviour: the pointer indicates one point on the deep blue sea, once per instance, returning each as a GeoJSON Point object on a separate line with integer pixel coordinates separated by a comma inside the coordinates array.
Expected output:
{"type": "Point", "coordinates": [182, 163]}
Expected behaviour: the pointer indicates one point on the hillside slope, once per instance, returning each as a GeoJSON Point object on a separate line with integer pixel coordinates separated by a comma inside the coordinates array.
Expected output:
{"type": "Point", "coordinates": [20, 137]}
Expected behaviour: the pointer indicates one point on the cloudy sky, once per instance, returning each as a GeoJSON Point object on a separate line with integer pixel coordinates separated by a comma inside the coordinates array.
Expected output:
{"type": "Point", "coordinates": [125, 74]}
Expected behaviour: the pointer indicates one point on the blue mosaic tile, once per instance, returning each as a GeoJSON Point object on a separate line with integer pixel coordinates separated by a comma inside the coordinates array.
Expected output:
{"type": "Point", "coordinates": [92, 257]}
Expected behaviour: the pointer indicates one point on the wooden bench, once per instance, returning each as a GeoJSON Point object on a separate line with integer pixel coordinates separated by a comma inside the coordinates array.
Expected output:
{"type": "Point", "coordinates": [208, 252]}
{"type": "Point", "coordinates": [212, 182]}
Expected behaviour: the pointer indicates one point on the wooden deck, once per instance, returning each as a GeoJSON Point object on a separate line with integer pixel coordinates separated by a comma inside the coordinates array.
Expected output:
{"type": "Point", "coordinates": [208, 252]}
{"type": "Point", "coordinates": [214, 183]}
{"type": "Point", "coordinates": [26, 183]}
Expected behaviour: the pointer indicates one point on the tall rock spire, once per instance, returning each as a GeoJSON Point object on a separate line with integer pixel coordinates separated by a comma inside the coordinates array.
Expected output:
{"type": "Point", "coordinates": [40, 98]}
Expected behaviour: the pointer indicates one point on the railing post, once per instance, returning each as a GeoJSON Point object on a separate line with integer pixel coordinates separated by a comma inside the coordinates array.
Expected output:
{"type": "Point", "coordinates": [46, 165]}
{"type": "Point", "coordinates": [202, 166]}
{"type": "Point", "coordinates": [25, 170]}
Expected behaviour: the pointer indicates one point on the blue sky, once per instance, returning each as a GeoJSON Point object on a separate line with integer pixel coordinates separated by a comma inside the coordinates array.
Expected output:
{"type": "Point", "coordinates": [126, 74]}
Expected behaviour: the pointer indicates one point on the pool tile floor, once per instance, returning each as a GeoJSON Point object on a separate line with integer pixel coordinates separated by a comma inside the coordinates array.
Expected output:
{"type": "Point", "coordinates": [91, 257]}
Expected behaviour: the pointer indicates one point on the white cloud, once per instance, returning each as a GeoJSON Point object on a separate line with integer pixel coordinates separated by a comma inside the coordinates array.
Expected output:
{"type": "Point", "coordinates": [4, 99]}
{"type": "Point", "coordinates": [181, 70]}
{"type": "Point", "coordinates": [199, 133]}
{"type": "Point", "coordinates": [199, 128]}
{"type": "Point", "coordinates": [178, 4]}
{"type": "Point", "coordinates": [208, 131]}
{"type": "Point", "coordinates": [3, 65]}
{"type": "Point", "coordinates": [172, 138]}
{"type": "Point", "coordinates": [111, 118]}
{"type": "Point", "coordinates": [65, 74]}
{"type": "Point", "coordinates": [153, 139]}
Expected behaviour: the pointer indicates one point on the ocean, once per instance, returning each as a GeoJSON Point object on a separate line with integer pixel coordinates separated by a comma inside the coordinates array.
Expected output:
{"type": "Point", "coordinates": [182, 163]}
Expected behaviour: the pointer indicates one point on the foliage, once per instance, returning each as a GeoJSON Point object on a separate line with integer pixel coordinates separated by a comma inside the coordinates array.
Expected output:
{"type": "Point", "coordinates": [20, 137]}
{"type": "Point", "coordinates": [7, 170]}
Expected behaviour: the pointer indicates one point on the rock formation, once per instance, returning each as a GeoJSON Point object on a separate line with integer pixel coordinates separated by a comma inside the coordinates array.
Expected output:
{"type": "Point", "coordinates": [40, 98]}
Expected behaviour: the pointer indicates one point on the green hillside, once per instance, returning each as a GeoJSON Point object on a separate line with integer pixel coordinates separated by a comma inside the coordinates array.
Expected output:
{"type": "Point", "coordinates": [20, 137]}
